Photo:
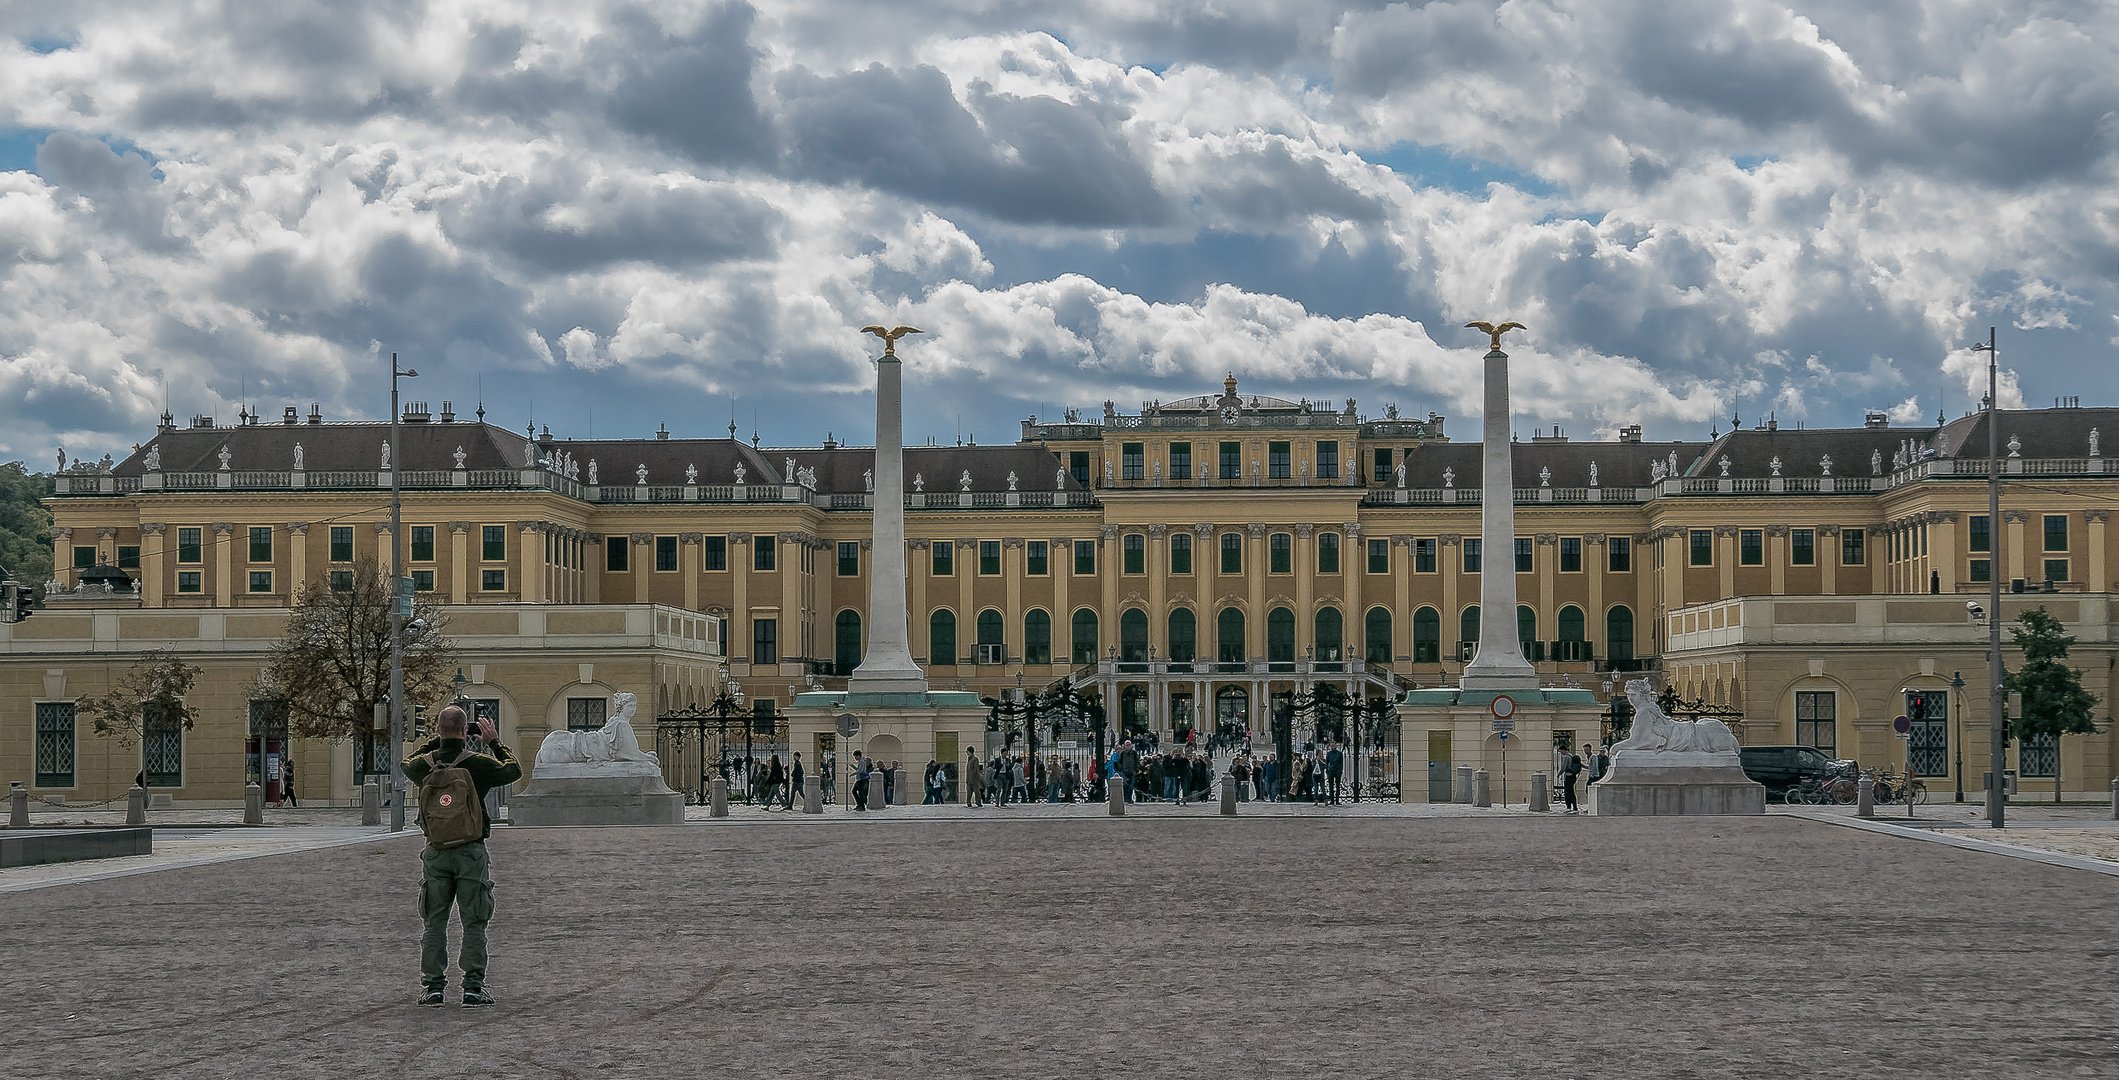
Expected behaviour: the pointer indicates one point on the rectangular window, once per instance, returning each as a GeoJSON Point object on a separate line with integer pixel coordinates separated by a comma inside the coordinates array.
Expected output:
{"type": "Point", "coordinates": [55, 744]}
{"type": "Point", "coordinates": [1383, 465]}
{"type": "Point", "coordinates": [1328, 553]}
{"type": "Point", "coordinates": [1328, 460]}
{"type": "Point", "coordinates": [1231, 461]}
{"type": "Point", "coordinates": [1036, 558]}
{"type": "Point", "coordinates": [1750, 547]}
{"type": "Point", "coordinates": [128, 557]}
{"type": "Point", "coordinates": [2056, 532]}
{"type": "Point", "coordinates": [493, 580]}
{"type": "Point", "coordinates": [342, 543]}
{"type": "Point", "coordinates": [944, 558]}
{"type": "Point", "coordinates": [1280, 554]}
{"type": "Point", "coordinates": [1180, 461]}
{"type": "Point", "coordinates": [1621, 548]}
{"type": "Point", "coordinates": [260, 543]}
{"type": "Point", "coordinates": [1231, 553]}
{"type": "Point", "coordinates": [1852, 549]}
{"type": "Point", "coordinates": [849, 558]}
{"type": "Point", "coordinates": [494, 543]}
{"type": "Point", "coordinates": [765, 641]}
{"type": "Point", "coordinates": [162, 749]}
{"type": "Point", "coordinates": [617, 558]}
{"type": "Point", "coordinates": [84, 557]}
{"type": "Point", "coordinates": [713, 553]}
{"type": "Point", "coordinates": [1979, 535]}
{"type": "Point", "coordinates": [1817, 720]}
{"type": "Point", "coordinates": [1570, 554]}
{"type": "Point", "coordinates": [1424, 555]}
{"type": "Point", "coordinates": [1980, 570]}
{"type": "Point", "coordinates": [1379, 556]}
{"type": "Point", "coordinates": [585, 713]}
{"type": "Point", "coordinates": [422, 543]}
{"type": "Point", "coordinates": [1277, 461]}
{"type": "Point", "coordinates": [1702, 547]}
{"type": "Point", "coordinates": [187, 581]}
{"type": "Point", "coordinates": [665, 554]}
{"type": "Point", "coordinates": [261, 581]}
{"type": "Point", "coordinates": [422, 581]}
{"type": "Point", "coordinates": [1181, 554]}
{"type": "Point", "coordinates": [2056, 570]}
{"type": "Point", "coordinates": [1131, 460]}
{"type": "Point", "coordinates": [188, 546]}
{"type": "Point", "coordinates": [340, 580]}
{"type": "Point", "coordinates": [1085, 558]}
{"type": "Point", "coordinates": [989, 558]}
{"type": "Point", "coordinates": [1078, 464]}
{"type": "Point", "coordinates": [763, 554]}
{"type": "Point", "coordinates": [1802, 547]}
{"type": "Point", "coordinates": [1472, 553]}
{"type": "Point", "coordinates": [1526, 555]}
{"type": "Point", "coordinates": [1136, 553]}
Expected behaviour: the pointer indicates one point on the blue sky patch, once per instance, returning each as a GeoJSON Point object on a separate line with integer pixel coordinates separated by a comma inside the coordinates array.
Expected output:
{"type": "Point", "coordinates": [1437, 166]}
{"type": "Point", "coordinates": [18, 149]}
{"type": "Point", "coordinates": [1748, 162]}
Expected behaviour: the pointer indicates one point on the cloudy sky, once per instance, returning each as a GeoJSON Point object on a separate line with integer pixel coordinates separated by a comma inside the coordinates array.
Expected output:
{"type": "Point", "coordinates": [618, 215]}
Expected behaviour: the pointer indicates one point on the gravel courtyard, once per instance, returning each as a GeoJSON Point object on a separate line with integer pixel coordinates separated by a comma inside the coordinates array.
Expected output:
{"type": "Point", "coordinates": [1504, 946]}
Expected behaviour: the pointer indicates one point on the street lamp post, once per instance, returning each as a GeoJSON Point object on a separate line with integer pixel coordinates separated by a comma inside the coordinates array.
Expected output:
{"type": "Point", "coordinates": [1957, 684]}
{"type": "Point", "coordinates": [397, 613]}
{"type": "Point", "coordinates": [1997, 741]}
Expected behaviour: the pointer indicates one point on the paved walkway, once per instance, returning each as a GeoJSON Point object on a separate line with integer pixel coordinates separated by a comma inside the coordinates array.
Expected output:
{"type": "Point", "coordinates": [177, 846]}
{"type": "Point", "coordinates": [1461, 945]}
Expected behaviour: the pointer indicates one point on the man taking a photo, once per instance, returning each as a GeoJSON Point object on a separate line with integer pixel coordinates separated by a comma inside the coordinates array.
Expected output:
{"type": "Point", "coordinates": [457, 870]}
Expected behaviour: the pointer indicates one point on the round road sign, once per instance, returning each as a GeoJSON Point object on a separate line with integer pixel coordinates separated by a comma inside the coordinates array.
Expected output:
{"type": "Point", "coordinates": [1504, 706]}
{"type": "Point", "coordinates": [849, 725]}
{"type": "Point", "coordinates": [1903, 724]}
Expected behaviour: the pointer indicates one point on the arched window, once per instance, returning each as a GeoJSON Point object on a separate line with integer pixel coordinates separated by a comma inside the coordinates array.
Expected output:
{"type": "Point", "coordinates": [1037, 638]}
{"type": "Point", "coordinates": [941, 637]}
{"type": "Point", "coordinates": [1618, 634]}
{"type": "Point", "coordinates": [1133, 636]}
{"type": "Point", "coordinates": [1427, 636]}
{"type": "Point", "coordinates": [1377, 637]}
{"type": "Point", "coordinates": [1228, 636]}
{"type": "Point", "coordinates": [1573, 635]}
{"type": "Point", "coordinates": [1280, 636]}
{"type": "Point", "coordinates": [846, 635]}
{"type": "Point", "coordinates": [1085, 636]}
{"type": "Point", "coordinates": [990, 632]}
{"type": "Point", "coordinates": [1526, 627]}
{"type": "Point", "coordinates": [1184, 636]}
{"type": "Point", "coordinates": [1331, 635]}
{"type": "Point", "coordinates": [1468, 627]}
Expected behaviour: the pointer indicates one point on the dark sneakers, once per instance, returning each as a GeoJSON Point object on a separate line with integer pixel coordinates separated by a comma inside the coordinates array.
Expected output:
{"type": "Point", "coordinates": [477, 999]}
{"type": "Point", "coordinates": [430, 998]}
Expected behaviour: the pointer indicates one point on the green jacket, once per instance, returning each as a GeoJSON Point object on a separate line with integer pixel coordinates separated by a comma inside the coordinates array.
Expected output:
{"type": "Point", "coordinates": [494, 768]}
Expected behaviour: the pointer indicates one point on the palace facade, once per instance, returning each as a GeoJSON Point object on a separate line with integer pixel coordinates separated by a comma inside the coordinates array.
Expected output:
{"type": "Point", "coordinates": [1190, 564]}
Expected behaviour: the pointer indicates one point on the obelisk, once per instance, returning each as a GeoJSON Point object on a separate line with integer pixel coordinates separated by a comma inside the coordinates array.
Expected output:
{"type": "Point", "coordinates": [1499, 664]}
{"type": "Point", "coordinates": [888, 667]}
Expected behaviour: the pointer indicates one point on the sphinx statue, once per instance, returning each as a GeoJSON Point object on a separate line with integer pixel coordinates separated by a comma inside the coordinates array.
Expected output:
{"type": "Point", "coordinates": [597, 777]}
{"type": "Point", "coordinates": [1655, 732]}
{"type": "Point", "coordinates": [613, 743]}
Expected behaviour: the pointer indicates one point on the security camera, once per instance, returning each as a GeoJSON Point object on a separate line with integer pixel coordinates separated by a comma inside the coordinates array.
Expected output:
{"type": "Point", "coordinates": [421, 624]}
{"type": "Point", "coordinates": [1972, 607]}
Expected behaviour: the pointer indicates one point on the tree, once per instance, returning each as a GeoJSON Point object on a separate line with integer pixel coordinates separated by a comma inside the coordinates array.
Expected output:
{"type": "Point", "coordinates": [2054, 702]}
{"type": "Point", "coordinates": [25, 525]}
{"type": "Point", "coordinates": [333, 665]}
{"type": "Point", "coordinates": [155, 686]}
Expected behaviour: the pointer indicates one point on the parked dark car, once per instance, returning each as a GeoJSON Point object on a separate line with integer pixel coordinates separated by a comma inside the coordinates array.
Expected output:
{"type": "Point", "coordinates": [1783, 767]}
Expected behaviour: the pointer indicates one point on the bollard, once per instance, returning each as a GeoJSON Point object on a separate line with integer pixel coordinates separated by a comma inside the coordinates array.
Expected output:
{"type": "Point", "coordinates": [1115, 794]}
{"type": "Point", "coordinates": [1865, 800]}
{"type": "Point", "coordinates": [1464, 784]}
{"type": "Point", "coordinates": [253, 805]}
{"type": "Point", "coordinates": [2115, 800]}
{"type": "Point", "coordinates": [1228, 796]}
{"type": "Point", "coordinates": [718, 799]}
{"type": "Point", "coordinates": [1482, 792]}
{"type": "Point", "coordinates": [136, 806]}
{"type": "Point", "coordinates": [1540, 793]}
{"type": "Point", "coordinates": [371, 803]}
{"type": "Point", "coordinates": [813, 795]}
{"type": "Point", "coordinates": [875, 790]}
{"type": "Point", "coordinates": [18, 804]}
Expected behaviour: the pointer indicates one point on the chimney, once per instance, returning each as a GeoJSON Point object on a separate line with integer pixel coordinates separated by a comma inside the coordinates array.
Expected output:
{"type": "Point", "coordinates": [1630, 433]}
{"type": "Point", "coordinates": [416, 412]}
{"type": "Point", "coordinates": [198, 421]}
{"type": "Point", "coordinates": [316, 414]}
{"type": "Point", "coordinates": [291, 416]}
{"type": "Point", "coordinates": [1875, 418]}
{"type": "Point", "coordinates": [448, 412]}
{"type": "Point", "coordinates": [662, 433]}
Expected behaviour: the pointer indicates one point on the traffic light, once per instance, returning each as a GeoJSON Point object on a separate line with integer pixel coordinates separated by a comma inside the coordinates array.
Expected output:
{"type": "Point", "coordinates": [19, 602]}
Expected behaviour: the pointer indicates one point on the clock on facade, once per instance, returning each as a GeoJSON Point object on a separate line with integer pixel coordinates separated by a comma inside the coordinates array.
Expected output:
{"type": "Point", "coordinates": [1228, 414]}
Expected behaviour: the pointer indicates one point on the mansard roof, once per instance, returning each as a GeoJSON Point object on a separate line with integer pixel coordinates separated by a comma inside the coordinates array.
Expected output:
{"type": "Point", "coordinates": [841, 469]}
{"type": "Point", "coordinates": [333, 447]}
{"type": "Point", "coordinates": [1619, 464]}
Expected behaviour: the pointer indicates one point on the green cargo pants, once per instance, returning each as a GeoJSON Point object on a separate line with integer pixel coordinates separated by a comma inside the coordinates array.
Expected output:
{"type": "Point", "coordinates": [462, 877]}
